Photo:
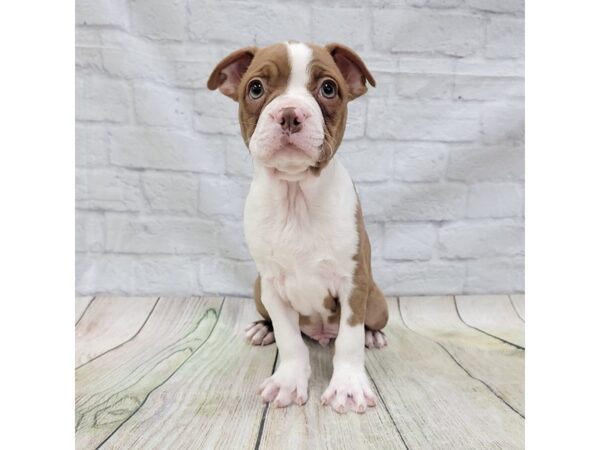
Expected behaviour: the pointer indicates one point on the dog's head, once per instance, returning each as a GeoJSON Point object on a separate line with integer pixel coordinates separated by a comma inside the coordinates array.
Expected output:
{"type": "Point", "coordinates": [293, 101]}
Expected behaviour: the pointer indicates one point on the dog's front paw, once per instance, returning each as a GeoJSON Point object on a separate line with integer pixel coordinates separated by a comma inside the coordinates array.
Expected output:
{"type": "Point", "coordinates": [288, 384]}
{"type": "Point", "coordinates": [349, 390]}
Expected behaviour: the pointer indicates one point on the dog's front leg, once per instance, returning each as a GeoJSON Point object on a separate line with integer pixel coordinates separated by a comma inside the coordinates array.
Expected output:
{"type": "Point", "coordinates": [289, 383]}
{"type": "Point", "coordinates": [349, 388]}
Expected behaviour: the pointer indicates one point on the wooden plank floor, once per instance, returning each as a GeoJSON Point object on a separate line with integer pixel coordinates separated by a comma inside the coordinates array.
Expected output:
{"type": "Point", "coordinates": [175, 373]}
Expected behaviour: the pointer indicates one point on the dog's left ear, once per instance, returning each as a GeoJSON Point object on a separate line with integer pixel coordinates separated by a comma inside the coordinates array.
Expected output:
{"type": "Point", "coordinates": [229, 72]}
{"type": "Point", "coordinates": [352, 67]}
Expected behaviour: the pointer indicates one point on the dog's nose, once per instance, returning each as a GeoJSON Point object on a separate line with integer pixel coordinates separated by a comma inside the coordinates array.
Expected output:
{"type": "Point", "coordinates": [291, 119]}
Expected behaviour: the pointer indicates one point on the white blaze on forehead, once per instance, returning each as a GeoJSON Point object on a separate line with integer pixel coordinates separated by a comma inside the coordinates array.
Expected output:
{"type": "Point", "coordinates": [300, 56]}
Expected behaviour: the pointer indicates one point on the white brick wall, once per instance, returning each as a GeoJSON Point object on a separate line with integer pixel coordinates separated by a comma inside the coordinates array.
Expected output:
{"type": "Point", "coordinates": [436, 149]}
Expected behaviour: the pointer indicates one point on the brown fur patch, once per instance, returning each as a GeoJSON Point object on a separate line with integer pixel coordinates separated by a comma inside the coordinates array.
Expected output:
{"type": "Point", "coordinates": [368, 305]}
{"type": "Point", "coordinates": [335, 111]}
{"type": "Point", "coordinates": [271, 66]}
{"type": "Point", "coordinates": [330, 303]}
{"type": "Point", "coordinates": [305, 320]}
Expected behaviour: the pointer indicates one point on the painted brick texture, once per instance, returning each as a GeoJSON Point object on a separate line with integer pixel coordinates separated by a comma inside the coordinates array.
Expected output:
{"type": "Point", "coordinates": [436, 150]}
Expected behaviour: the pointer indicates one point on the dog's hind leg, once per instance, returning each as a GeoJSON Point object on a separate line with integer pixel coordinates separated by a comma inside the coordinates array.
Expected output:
{"type": "Point", "coordinates": [260, 332]}
{"type": "Point", "coordinates": [376, 318]}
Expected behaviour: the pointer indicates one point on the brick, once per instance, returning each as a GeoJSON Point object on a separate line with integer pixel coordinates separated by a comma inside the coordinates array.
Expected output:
{"type": "Point", "coordinates": [227, 277]}
{"type": "Point", "coordinates": [215, 113]}
{"type": "Point", "coordinates": [499, 6]}
{"type": "Point", "coordinates": [159, 19]}
{"type": "Point", "coordinates": [222, 196]}
{"type": "Point", "coordinates": [228, 22]}
{"type": "Point", "coordinates": [131, 65]}
{"type": "Point", "coordinates": [400, 30]}
{"type": "Point", "coordinates": [88, 58]}
{"type": "Point", "coordinates": [181, 65]}
{"type": "Point", "coordinates": [160, 235]}
{"type": "Point", "coordinates": [408, 202]}
{"type": "Point", "coordinates": [495, 276]}
{"type": "Point", "coordinates": [473, 240]}
{"type": "Point", "coordinates": [170, 191]}
{"type": "Point", "coordinates": [487, 163]}
{"type": "Point", "coordinates": [88, 37]}
{"type": "Point", "coordinates": [145, 148]}
{"type": "Point", "coordinates": [419, 161]}
{"type": "Point", "coordinates": [107, 189]}
{"type": "Point", "coordinates": [420, 278]}
{"type": "Point", "coordinates": [392, 118]}
{"type": "Point", "coordinates": [419, 83]}
{"type": "Point", "coordinates": [423, 86]}
{"type": "Point", "coordinates": [91, 146]}
{"type": "Point", "coordinates": [503, 122]}
{"type": "Point", "coordinates": [442, 4]}
{"type": "Point", "coordinates": [102, 12]}
{"type": "Point", "coordinates": [97, 273]}
{"type": "Point", "coordinates": [380, 62]}
{"type": "Point", "coordinates": [194, 74]}
{"type": "Point", "coordinates": [166, 275]}
{"type": "Point", "coordinates": [489, 67]}
{"type": "Point", "coordinates": [162, 107]}
{"type": "Point", "coordinates": [349, 24]}
{"type": "Point", "coordinates": [367, 160]}
{"type": "Point", "coordinates": [102, 100]}
{"type": "Point", "coordinates": [488, 88]}
{"type": "Point", "coordinates": [89, 232]}
{"type": "Point", "coordinates": [495, 200]}
{"type": "Point", "coordinates": [232, 243]}
{"type": "Point", "coordinates": [505, 38]}
{"type": "Point", "coordinates": [409, 241]}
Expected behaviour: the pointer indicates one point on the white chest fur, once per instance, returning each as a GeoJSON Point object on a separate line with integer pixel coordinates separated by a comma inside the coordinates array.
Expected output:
{"type": "Point", "coordinates": [302, 234]}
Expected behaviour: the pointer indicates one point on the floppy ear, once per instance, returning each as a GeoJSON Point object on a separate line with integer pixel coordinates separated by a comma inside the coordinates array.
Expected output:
{"type": "Point", "coordinates": [352, 67]}
{"type": "Point", "coordinates": [228, 73]}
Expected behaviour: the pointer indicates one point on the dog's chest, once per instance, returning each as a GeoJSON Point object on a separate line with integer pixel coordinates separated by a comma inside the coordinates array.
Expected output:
{"type": "Point", "coordinates": [303, 243]}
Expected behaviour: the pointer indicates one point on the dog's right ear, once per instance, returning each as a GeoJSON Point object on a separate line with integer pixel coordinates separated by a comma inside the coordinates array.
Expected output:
{"type": "Point", "coordinates": [228, 73]}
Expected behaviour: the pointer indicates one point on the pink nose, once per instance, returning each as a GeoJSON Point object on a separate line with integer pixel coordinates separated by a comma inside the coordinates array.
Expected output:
{"type": "Point", "coordinates": [291, 119]}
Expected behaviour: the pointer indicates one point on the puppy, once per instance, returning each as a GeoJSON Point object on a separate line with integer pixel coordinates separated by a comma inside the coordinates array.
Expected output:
{"type": "Point", "coordinates": [302, 220]}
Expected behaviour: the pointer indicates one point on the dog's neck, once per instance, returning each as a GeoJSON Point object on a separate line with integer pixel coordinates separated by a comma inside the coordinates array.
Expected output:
{"type": "Point", "coordinates": [309, 188]}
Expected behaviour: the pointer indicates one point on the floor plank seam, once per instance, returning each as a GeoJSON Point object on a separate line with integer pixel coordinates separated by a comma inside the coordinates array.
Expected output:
{"type": "Point", "coordinates": [492, 390]}
{"type": "Point", "coordinates": [124, 342]}
{"type": "Point", "coordinates": [515, 308]}
{"type": "Point", "coordinates": [85, 310]}
{"type": "Point", "coordinates": [265, 409]}
{"type": "Point", "coordinates": [387, 410]}
{"type": "Point", "coordinates": [485, 332]}
{"type": "Point", "coordinates": [166, 379]}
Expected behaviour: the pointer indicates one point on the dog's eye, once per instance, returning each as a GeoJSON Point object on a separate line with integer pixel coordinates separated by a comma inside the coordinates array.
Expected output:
{"type": "Point", "coordinates": [328, 89]}
{"type": "Point", "coordinates": [255, 89]}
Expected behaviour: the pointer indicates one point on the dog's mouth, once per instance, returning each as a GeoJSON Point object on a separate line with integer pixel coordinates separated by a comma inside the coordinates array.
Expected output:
{"type": "Point", "coordinates": [291, 147]}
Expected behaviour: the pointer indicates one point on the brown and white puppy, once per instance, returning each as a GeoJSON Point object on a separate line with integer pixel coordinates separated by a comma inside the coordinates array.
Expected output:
{"type": "Point", "coordinates": [303, 222]}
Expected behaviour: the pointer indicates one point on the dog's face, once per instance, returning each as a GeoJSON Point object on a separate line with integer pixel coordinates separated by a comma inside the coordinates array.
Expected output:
{"type": "Point", "coordinates": [293, 101]}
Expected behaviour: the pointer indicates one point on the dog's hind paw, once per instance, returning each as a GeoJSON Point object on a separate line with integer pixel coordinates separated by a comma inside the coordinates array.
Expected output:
{"type": "Point", "coordinates": [260, 332]}
{"type": "Point", "coordinates": [375, 339]}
